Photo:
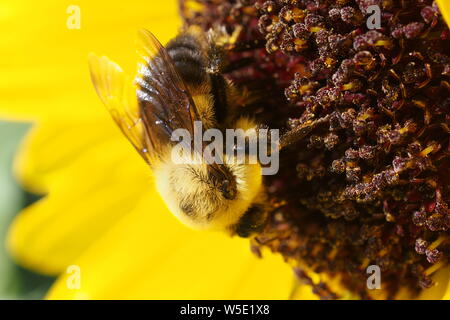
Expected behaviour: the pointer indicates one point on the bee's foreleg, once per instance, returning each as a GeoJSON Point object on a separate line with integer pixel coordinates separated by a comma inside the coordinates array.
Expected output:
{"type": "Point", "coordinates": [253, 221]}
{"type": "Point", "coordinates": [220, 41]}
{"type": "Point", "coordinates": [301, 131]}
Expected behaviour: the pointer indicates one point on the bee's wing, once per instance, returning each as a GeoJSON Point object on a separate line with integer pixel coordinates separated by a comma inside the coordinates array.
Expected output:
{"type": "Point", "coordinates": [118, 93]}
{"type": "Point", "coordinates": [163, 97]}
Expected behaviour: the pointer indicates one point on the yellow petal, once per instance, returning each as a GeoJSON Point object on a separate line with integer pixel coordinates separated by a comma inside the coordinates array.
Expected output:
{"type": "Point", "coordinates": [148, 255]}
{"type": "Point", "coordinates": [303, 292]}
{"type": "Point", "coordinates": [444, 7]}
{"type": "Point", "coordinates": [51, 233]}
{"type": "Point", "coordinates": [44, 63]}
{"type": "Point", "coordinates": [93, 181]}
{"type": "Point", "coordinates": [447, 291]}
{"type": "Point", "coordinates": [61, 150]}
{"type": "Point", "coordinates": [52, 146]}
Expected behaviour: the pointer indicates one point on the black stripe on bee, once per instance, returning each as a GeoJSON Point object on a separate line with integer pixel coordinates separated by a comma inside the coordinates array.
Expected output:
{"type": "Point", "coordinates": [186, 54]}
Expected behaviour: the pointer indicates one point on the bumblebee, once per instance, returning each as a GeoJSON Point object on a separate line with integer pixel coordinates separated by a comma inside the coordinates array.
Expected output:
{"type": "Point", "coordinates": [177, 85]}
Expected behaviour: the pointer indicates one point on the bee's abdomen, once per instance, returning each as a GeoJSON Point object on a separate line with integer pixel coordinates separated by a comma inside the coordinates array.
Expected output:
{"type": "Point", "coordinates": [187, 57]}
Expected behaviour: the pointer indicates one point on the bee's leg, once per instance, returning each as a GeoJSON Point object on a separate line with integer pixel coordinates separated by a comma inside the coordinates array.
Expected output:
{"type": "Point", "coordinates": [301, 131]}
{"type": "Point", "coordinates": [216, 60]}
{"type": "Point", "coordinates": [296, 134]}
{"type": "Point", "coordinates": [218, 36]}
{"type": "Point", "coordinates": [251, 222]}
{"type": "Point", "coordinates": [220, 41]}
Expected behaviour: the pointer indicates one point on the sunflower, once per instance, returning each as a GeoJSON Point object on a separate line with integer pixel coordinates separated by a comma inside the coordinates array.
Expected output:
{"type": "Point", "coordinates": [99, 214]}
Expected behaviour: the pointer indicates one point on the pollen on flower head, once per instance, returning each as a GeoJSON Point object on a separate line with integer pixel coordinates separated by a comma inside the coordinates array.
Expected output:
{"type": "Point", "coordinates": [368, 185]}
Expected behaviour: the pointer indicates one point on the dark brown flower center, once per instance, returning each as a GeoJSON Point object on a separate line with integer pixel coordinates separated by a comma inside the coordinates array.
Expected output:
{"type": "Point", "coordinates": [369, 184]}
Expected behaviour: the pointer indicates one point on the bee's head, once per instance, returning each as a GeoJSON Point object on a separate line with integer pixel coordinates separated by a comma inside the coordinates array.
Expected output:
{"type": "Point", "coordinates": [222, 179]}
{"type": "Point", "coordinates": [208, 196]}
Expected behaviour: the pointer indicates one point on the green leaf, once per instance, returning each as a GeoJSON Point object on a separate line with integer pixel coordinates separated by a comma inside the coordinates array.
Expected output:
{"type": "Point", "coordinates": [15, 282]}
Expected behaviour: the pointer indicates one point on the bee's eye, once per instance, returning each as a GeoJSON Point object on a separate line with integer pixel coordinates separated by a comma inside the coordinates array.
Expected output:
{"type": "Point", "coordinates": [227, 190]}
